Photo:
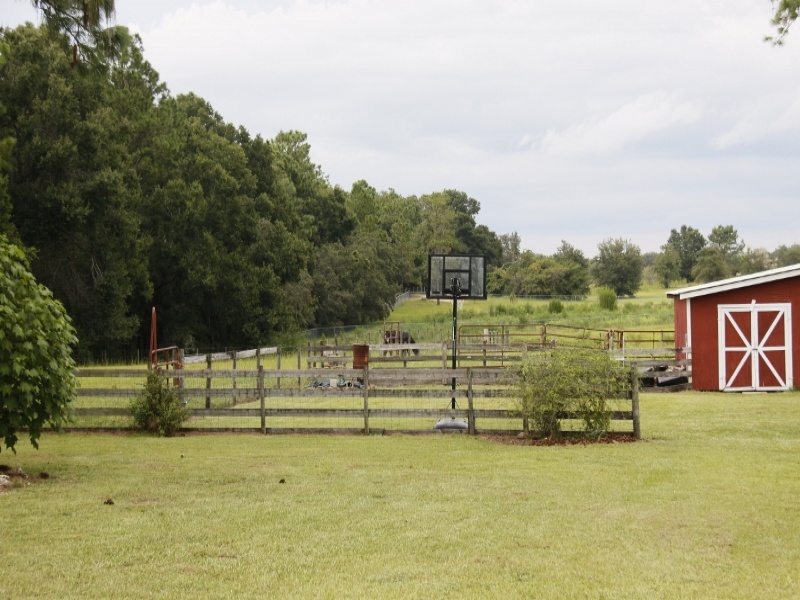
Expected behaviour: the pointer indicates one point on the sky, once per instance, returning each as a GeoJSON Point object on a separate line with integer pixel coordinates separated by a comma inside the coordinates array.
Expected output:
{"type": "Point", "coordinates": [575, 121]}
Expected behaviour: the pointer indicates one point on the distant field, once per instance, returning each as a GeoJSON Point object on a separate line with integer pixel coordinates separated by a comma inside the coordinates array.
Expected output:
{"type": "Point", "coordinates": [705, 507]}
{"type": "Point", "coordinates": [650, 309]}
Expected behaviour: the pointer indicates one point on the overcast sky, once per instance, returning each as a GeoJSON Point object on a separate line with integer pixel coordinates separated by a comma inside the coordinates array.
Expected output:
{"type": "Point", "coordinates": [576, 121]}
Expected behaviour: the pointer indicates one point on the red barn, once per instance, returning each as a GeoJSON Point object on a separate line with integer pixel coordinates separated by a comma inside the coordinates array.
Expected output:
{"type": "Point", "coordinates": [740, 330]}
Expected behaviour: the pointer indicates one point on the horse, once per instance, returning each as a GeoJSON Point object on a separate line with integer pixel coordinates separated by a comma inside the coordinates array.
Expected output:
{"type": "Point", "coordinates": [400, 337]}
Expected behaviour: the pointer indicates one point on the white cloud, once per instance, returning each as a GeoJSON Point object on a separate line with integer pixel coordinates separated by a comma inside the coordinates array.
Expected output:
{"type": "Point", "coordinates": [631, 123]}
{"type": "Point", "coordinates": [609, 118]}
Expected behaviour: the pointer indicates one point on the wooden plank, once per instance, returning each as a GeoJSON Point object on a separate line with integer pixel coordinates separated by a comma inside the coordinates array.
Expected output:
{"type": "Point", "coordinates": [102, 412]}
{"type": "Point", "coordinates": [140, 373]}
{"type": "Point", "coordinates": [107, 393]}
{"type": "Point", "coordinates": [247, 393]}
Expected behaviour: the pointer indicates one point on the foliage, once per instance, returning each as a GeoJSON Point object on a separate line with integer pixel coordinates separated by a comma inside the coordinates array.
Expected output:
{"type": "Point", "coordinates": [667, 265]}
{"type": "Point", "coordinates": [710, 266]}
{"type": "Point", "coordinates": [618, 265]}
{"type": "Point", "coordinates": [687, 243]}
{"type": "Point", "coordinates": [555, 306]}
{"type": "Point", "coordinates": [159, 409]}
{"type": "Point", "coordinates": [606, 298]}
{"type": "Point", "coordinates": [754, 260]}
{"type": "Point", "coordinates": [554, 384]}
{"type": "Point", "coordinates": [82, 22]}
{"type": "Point", "coordinates": [786, 12]}
{"type": "Point", "coordinates": [37, 381]}
{"type": "Point", "coordinates": [726, 240]}
{"type": "Point", "coordinates": [565, 273]}
{"type": "Point", "coordinates": [786, 255]}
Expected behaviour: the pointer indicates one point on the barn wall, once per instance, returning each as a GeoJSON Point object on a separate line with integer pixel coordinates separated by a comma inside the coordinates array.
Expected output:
{"type": "Point", "coordinates": [705, 352]}
{"type": "Point", "coordinates": [681, 326]}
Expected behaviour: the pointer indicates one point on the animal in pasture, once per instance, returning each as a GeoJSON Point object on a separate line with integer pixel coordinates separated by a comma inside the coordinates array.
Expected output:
{"type": "Point", "coordinates": [399, 337]}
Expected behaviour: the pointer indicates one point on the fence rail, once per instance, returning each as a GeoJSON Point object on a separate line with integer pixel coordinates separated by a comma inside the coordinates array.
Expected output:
{"type": "Point", "coordinates": [368, 400]}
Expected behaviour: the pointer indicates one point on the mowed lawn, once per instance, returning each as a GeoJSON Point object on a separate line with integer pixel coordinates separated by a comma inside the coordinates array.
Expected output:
{"type": "Point", "coordinates": [707, 506]}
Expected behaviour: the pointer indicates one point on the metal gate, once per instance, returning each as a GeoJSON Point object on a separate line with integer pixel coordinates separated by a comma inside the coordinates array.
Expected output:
{"type": "Point", "coordinates": [755, 347]}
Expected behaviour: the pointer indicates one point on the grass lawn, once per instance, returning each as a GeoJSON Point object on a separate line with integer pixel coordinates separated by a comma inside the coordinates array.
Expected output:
{"type": "Point", "coordinates": [705, 507]}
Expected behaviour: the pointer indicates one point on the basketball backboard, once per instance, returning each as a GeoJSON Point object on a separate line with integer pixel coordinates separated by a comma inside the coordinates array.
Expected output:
{"type": "Point", "coordinates": [467, 272]}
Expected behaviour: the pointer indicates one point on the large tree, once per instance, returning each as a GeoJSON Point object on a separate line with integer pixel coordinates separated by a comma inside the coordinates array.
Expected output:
{"type": "Point", "coordinates": [618, 265]}
{"type": "Point", "coordinates": [687, 242]}
{"type": "Point", "coordinates": [37, 380]}
{"type": "Point", "coordinates": [726, 239]}
{"type": "Point", "coordinates": [74, 184]}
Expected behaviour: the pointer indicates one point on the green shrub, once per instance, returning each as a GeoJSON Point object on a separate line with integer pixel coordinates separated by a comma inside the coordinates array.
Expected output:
{"type": "Point", "coordinates": [553, 385]}
{"type": "Point", "coordinates": [555, 306]}
{"type": "Point", "coordinates": [607, 298]}
{"type": "Point", "coordinates": [158, 409]}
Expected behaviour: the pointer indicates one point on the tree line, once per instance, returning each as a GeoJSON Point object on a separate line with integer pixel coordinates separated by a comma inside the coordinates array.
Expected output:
{"type": "Point", "coordinates": [125, 197]}
{"type": "Point", "coordinates": [687, 257]}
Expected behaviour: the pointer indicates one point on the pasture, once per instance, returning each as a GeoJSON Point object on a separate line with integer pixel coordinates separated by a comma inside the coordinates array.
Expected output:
{"type": "Point", "coordinates": [704, 507]}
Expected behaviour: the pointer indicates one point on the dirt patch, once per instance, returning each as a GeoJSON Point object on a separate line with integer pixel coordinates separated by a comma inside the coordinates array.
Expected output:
{"type": "Point", "coordinates": [562, 441]}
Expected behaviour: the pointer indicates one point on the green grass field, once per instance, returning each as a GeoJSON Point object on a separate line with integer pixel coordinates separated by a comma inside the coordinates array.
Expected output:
{"type": "Point", "coordinates": [705, 507]}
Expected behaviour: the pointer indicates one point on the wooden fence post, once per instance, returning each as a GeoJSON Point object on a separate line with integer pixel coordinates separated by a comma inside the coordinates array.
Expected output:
{"type": "Point", "coordinates": [261, 399]}
{"type": "Point", "coordinates": [208, 381]}
{"type": "Point", "coordinates": [279, 366]}
{"type": "Point", "coordinates": [182, 381]}
{"type": "Point", "coordinates": [234, 355]}
{"type": "Point", "coordinates": [637, 427]}
{"type": "Point", "coordinates": [470, 406]}
{"type": "Point", "coordinates": [366, 400]}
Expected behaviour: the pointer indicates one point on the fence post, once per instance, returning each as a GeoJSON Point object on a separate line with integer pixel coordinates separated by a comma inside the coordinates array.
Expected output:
{"type": "Point", "coordinates": [208, 381]}
{"type": "Point", "coordinates": [366, 400]}
{"type": "Point", "coordinates": [182, 381]}
{"type": "Point", "coordinates": [261, 399]}
{"type": "Point", "coordinates": [234, 354]}
{"type": "Point", "coordinates": [278, 382]}
{"type": "Point", "coordinates": [470, 406]}
{"type": "Point", "coordinates": [637, 427]}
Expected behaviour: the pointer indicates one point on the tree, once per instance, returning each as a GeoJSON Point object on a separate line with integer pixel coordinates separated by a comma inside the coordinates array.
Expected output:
{"type": "Point", "coordinates": [82, 21]}
{"type": "Point", "coordinates": [754, 260]}
{"type": "Point", "coordinates": [37, 380]}
{"type": "Point", "coordinates": [618, 265]}
{"type": "Point", "coordinates": [786, 12]}
{"type": "Point", "coordinates": [726, 238]}
{"type": "Point", "coordinates": [687, 242]}
{"type": "Point", "coordinates": [786, 255]}
{"type": "Point", "coordinates": [512, 248]}
{"type": "Point", "coordinates": [710, 266]}
{"type": "Point", "coordinates": [74, 183]}
{"type": "Point", "coordinates": [667, 265]}
{"type": "Point", "coordinates": [436, 232]}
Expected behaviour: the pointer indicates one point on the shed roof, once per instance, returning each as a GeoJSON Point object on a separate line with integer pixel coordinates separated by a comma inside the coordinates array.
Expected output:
{"type": "Point", "coordinates": [735, 283]}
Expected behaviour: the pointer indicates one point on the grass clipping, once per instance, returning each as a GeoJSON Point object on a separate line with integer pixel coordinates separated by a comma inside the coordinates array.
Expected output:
{"type": "Point", "coordinates": [569, 384]}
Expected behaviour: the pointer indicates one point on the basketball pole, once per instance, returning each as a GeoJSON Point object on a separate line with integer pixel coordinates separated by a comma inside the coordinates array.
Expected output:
{"type": "Point", "coordinates": [455, 289]}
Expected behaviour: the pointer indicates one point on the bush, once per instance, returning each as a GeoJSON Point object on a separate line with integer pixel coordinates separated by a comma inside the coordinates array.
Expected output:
{"type": "Point", "coordinates": [607, 298]}
{"type": "Point", "coordinates": [556, 384]}
{"type": "Point", "coordinates": [158, 409]}
{"type": "Point", "coordinates": [37, 372]}
{"type": "Point", "coordinates": [555, 306]}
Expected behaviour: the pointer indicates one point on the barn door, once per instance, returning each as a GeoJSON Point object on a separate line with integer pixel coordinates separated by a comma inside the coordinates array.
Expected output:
{"type": "Point", "coordinates": [755, 347]}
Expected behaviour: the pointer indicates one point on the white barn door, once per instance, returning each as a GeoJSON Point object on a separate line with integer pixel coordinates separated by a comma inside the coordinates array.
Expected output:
{"type": "Point", "coordinates": [755, 347]}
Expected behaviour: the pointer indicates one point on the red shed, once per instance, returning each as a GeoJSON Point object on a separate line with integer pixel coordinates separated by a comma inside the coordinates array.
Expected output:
{"type": "Point", "coordinates": [740, 330]}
